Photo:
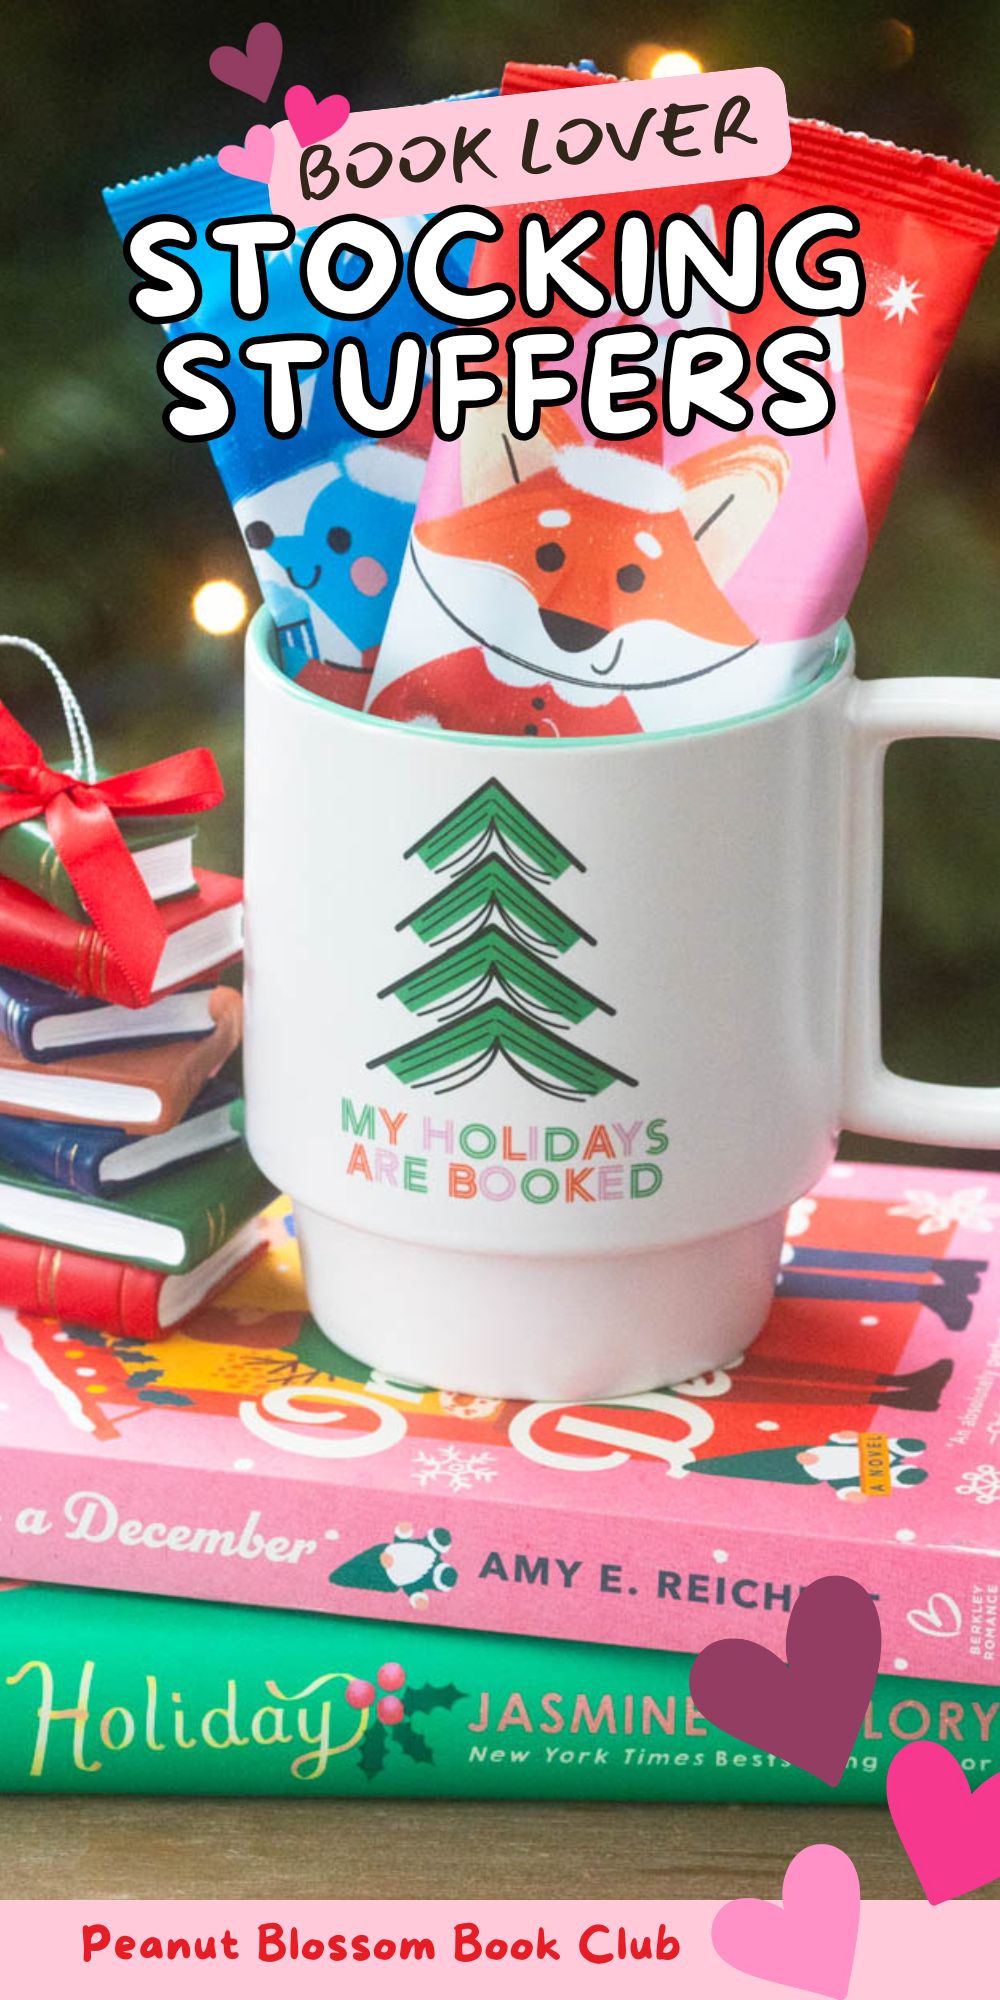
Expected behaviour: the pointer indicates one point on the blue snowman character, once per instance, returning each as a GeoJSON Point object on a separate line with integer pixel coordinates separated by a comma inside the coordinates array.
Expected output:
{"type": "Point", "coordinates": [329, 583]}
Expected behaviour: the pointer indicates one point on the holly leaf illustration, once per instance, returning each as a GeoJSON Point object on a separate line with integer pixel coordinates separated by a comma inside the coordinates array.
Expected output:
{"type": "Point", "coordinates": [421, 1700]}
{"type": "Point", "coordinates": [372, 1757]}
{"type": "Point", "coordinates": [412, 1744]}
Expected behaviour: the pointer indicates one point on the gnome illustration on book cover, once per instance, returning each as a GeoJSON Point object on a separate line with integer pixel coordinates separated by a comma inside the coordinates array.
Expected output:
{"type": "Point", "coordinates": [414, 1565]}
{"type": "Point", "coordinates": [853, 1464]}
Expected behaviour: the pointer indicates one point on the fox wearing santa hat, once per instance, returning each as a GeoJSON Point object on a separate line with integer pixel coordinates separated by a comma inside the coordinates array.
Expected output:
{"type": "Point", "coordinates": [579, 590]}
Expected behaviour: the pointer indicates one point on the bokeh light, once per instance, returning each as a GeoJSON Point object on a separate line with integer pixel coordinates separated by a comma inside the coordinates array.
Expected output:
{"type": "Point", "coordinates": [219, 607]}
{"type": "Point", "coordinates": [676, 62]}
{"type": "Point", "coordinates": [647, 59]}
{"type": "Point", "coordinates": [895, 43]}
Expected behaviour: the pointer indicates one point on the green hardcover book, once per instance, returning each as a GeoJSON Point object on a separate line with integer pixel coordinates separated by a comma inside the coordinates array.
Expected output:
{"type": "Point", "coordinates": [107, 1693]}
{"type": "Point", "coordinates": [167, 1224]}
{"type": "Point", "coordinates": [162, 849]}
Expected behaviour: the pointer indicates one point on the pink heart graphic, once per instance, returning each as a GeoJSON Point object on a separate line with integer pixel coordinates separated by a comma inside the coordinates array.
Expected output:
{"type": "Point", "coordinates": [808, 1710]}
{"type": "Point", "coordinates": [252, 161]}
{"type": "Point", "coordinates": [253, 69]}
{"type": "Point", "coordinates": [809, 1938]}
{"type": "Point", "coordinates": [951, 1834]}
{"type": "Point", "coordinates": [310, 121]}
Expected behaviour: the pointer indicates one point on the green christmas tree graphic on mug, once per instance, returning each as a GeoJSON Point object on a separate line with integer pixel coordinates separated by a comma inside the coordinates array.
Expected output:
{"type": "Point", "coordinates": [493, 986]}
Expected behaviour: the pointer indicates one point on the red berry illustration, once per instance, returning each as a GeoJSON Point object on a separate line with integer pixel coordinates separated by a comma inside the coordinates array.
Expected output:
{"type": "Point", "coordinates": [359, 1694]}
{"type": "Point", "coordinates": [390, 1709]}
{"type": "Point", "coordinates": [391, 1677]}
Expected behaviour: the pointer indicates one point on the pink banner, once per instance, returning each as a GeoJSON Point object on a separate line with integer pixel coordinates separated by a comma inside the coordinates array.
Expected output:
{"type": "Point", "coordinates": [436, 1948]}
{"type": "Point", "coordinates": [498, 151]}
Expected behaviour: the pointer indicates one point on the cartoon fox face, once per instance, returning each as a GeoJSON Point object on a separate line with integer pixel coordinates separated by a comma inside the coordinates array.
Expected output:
{"type": "Point", "coordinates": [588, 565]}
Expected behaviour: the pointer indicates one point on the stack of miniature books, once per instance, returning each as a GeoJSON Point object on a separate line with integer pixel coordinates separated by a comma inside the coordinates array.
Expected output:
{"type": "Point", "coordinates": [127, 1195]}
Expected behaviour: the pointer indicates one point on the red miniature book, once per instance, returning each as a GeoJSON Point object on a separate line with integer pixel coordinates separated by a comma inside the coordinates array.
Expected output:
{"type": "Point", "coordinates": [123, 1300]}
{"type": "Point", "coordinates": [205, 932]}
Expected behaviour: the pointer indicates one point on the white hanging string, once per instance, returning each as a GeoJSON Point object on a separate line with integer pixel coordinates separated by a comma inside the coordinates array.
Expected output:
{"type": "Point", "coordinates": [81, 746]}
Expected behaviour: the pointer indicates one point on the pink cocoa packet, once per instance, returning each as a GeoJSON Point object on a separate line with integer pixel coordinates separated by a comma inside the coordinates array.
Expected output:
{"type": "Point", "coordinates": [567, 587]}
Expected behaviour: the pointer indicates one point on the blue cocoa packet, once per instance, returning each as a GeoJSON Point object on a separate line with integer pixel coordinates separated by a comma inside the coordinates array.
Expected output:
{"type": "Point", "coordinates": [325, 514]}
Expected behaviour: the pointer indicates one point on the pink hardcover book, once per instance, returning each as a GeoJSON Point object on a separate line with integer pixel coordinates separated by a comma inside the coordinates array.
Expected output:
{"type": "Point", "coordinates": [244, 1458]}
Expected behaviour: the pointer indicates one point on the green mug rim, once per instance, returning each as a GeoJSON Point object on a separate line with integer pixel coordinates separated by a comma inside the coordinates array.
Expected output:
{"type": "Point", "coordinates": [262, 637]}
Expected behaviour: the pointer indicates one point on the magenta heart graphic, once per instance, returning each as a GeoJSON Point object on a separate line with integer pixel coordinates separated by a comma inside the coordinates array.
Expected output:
{"type": "Point", "coordinates": [253, 160]}
{"type": "Point", "coordinates": [809, 1938]}
{"type": "Point", "coordinates": [809, 1708]}
{"type": "Point", "coordinates": [951, 1834]}
{"type": "Point", "coordinates": [253, 69]}
{"type": "Point", "coordinates": [310, 121]}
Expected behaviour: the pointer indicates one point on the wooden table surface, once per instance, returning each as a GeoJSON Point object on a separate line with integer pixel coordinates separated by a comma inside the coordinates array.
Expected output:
{"type": "Point", "coordinates": [115, 1848]}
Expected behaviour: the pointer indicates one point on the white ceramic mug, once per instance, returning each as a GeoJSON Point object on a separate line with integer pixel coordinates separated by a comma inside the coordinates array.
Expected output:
{"type": "Point", "coordinates": [543, 1038]}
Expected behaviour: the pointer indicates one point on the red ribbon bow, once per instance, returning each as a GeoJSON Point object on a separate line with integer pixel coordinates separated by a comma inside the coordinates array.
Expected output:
{"type": "Point", "coordinates": [81, 821]}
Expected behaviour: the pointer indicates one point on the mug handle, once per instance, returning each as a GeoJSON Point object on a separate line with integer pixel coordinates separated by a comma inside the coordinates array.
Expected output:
{"type": "Point", "coordinates": [876, 1100]}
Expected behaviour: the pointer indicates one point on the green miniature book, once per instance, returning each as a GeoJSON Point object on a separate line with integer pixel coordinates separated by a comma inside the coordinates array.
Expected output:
{"type": "Point", "coordinates": [167, 1224]}
{"type": "Point", "coordinates": [162, 849]}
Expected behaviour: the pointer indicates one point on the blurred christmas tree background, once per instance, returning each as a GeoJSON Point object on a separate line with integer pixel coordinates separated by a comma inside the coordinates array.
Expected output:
{"type": "Point", "coordinates": [109, 527]}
